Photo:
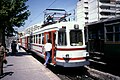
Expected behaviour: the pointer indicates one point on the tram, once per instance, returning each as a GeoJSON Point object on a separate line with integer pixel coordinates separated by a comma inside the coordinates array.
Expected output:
{"type": "Point", "coordinates": [68, 43]}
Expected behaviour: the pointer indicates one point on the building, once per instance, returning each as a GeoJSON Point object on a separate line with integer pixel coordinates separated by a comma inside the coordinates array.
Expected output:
{"type": "Point", "coordinates": [95, 10]}
{"type": "Point", "coordinates": [82, 12]}
{"type": "Point", "coordinates": [102, 9]}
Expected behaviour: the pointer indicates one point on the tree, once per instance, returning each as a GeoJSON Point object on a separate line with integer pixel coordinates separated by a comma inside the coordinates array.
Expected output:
{"type": "Point", "coordinates": [13, 13]}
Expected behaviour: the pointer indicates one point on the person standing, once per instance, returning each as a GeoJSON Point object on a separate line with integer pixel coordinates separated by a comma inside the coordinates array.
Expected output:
{"type": "Point", "coordinates": [14, 47]}
{"type": "Point", "coordinates": [48, 47]}
{"type": "Point", "coordinates": [2, 57]}
{"type": "Point", "coordinates": [18, 45]}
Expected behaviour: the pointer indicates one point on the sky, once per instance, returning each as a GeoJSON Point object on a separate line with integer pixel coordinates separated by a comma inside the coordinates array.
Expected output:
{"type": "Point", "coordinates": [37, 7]}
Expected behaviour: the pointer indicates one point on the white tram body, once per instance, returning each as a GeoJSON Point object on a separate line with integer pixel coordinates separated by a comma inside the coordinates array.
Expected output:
{"type": "Point", "coordinates": [68, 43]}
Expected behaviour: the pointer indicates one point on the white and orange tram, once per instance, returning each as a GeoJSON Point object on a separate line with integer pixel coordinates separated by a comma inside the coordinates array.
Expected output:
{"type": "Point", "coordinates": [68, 43]}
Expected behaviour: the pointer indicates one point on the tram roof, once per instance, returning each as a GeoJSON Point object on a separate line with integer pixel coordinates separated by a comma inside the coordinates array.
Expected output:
{"type": "Point", "coordinates": [57, 26]}
{"type": "Point", "coordinates": [104, 21]}
{"type": "Point", "coordinates": [25, 35]}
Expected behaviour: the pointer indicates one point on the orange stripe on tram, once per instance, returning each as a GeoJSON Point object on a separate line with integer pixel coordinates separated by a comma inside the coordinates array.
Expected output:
{"type": "Point", "coordinates": [70, 49]}
{"type": "Point", "coordinates": [80, 58]}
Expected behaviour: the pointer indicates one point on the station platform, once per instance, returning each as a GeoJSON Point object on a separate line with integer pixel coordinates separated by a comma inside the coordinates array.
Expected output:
{"type": "Point", "coordinates": [25, 67]}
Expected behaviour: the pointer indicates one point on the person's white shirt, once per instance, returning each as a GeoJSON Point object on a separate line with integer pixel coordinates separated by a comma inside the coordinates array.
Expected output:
{"type": "Point", "coordinates": [19, 43]}
{"type": "Point", "coordinates": [48, 46]}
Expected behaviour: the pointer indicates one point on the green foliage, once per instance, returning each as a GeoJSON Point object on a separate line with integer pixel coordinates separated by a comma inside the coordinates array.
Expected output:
{"type": "Point", "coordinates": [13, 13]}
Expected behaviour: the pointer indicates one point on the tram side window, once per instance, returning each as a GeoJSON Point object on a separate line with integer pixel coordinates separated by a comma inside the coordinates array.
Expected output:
{"type": "Point", "coordinates": [62, 38]}
{"type": "Point", "coordinates": [47, 37]}
{"type": "Point", "coordinates": [42, 38]}
{"type": "Point", "coordinates": [117, 31]}
{"type": "Point", "coordinates": [34, 39]}
{"type": "Point", "coordinates": [31, 39]}
{"type": "Point", "coordinates": [113, 33]}
{"type": "Point", "coordinates": [109, 36]}
{"type": "Point", "coordinates": [39, 38]}
{"type": "Point", "coordinates": [76, 38]}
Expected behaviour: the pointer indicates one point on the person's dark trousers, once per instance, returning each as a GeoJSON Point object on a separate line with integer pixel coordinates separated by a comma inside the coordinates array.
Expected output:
{"type": "Point", "coordinates": [13, 51]}
{"type": "Point", "coordinates": [1, 65]}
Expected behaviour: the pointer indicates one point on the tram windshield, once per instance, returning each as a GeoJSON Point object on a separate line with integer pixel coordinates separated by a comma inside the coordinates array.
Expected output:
{"type": "Point", "coordinates": [76, 38]}
{"type": "Point", "coordinates": [62, 37]}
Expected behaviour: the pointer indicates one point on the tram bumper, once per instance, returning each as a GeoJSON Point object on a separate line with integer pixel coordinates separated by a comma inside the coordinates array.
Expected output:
{"type": "Point", "coordinates": [73, 64]}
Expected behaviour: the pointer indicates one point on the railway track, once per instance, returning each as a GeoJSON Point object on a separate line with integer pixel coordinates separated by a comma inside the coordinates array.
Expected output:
{"type": "Point", "coordinates": [102, 63]}
{"type": "Point", "coordinates": [79, 73]}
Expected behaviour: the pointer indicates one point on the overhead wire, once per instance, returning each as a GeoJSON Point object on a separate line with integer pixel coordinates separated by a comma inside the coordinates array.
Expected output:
{"type": "Point", "coordinates": [41, 13]}
{"type": "Point", "coordinates": [51, 4]}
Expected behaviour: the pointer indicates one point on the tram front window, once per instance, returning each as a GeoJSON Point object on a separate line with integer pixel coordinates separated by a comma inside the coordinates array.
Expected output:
{"type": "Point", "coordinates": [76, 38]}
{"type": "Point", "coordinates": [62, 38]}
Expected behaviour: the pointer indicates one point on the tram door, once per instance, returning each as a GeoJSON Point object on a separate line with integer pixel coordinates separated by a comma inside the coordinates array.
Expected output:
{"type": "Point", "coordinates": [21, 41]}
{"type": "Point", "coordinates": [26, 42]}
{"type": "Point", "coordinates": [51, 35]}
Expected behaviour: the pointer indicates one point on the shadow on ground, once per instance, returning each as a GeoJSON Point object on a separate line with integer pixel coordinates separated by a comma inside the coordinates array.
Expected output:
{"type": "Point", "coordinates": [6, 74]}
{"type": "Point", "coordinates": [18, 54]}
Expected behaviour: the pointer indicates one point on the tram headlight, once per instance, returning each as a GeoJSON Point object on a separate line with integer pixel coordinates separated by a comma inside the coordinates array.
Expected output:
{"type": "Point", "coordinates": [63, 27]}
{"type": "Point", "coordinates": [66, 58]}
{"type": "Point", "coordinates": [76, 26]}
{"type": "Point", "coordinates": [67, 55]}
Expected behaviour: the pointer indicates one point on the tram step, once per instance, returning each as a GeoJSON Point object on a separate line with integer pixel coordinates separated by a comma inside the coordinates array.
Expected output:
{"type": "Point", "coordinates": [99, 53]}
{"type": "Point", "coordinates": [97, 62]}
{"type": "Point", "coordinates": [52, 64]}
{"type": "Point", "coordinates": [98, 58]}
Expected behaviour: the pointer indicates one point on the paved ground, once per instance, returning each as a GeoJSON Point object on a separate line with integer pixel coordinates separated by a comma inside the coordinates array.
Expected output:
{"type": "Point", "coordinates": [24, 67]}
